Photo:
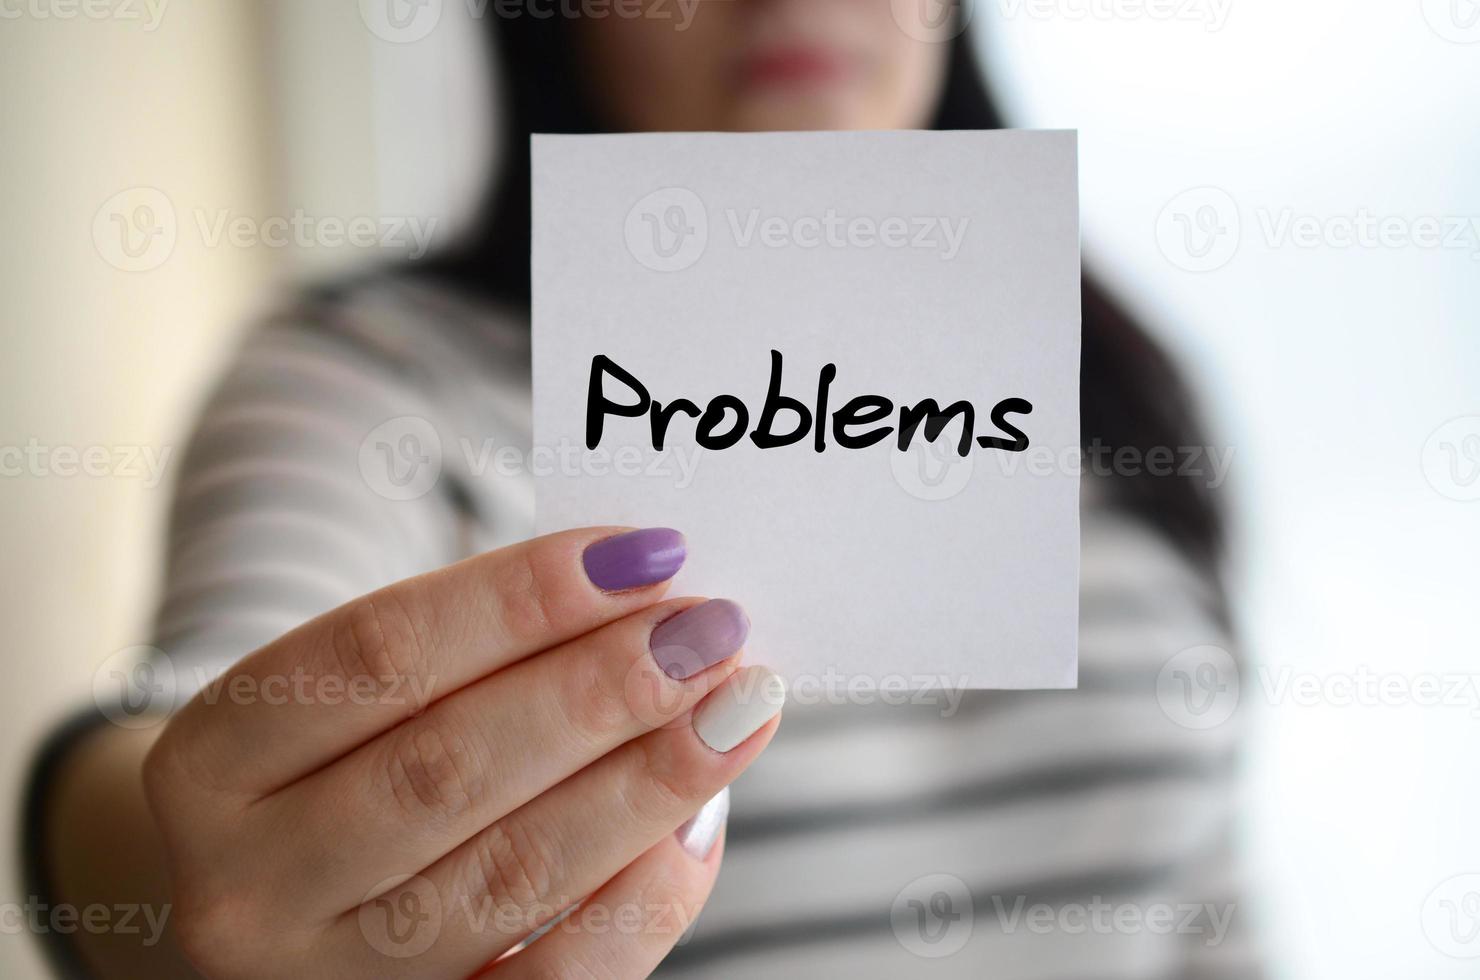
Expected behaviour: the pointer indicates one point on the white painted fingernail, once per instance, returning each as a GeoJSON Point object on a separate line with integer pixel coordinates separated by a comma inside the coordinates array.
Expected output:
{"type": "Point", "coordinates": [734, 712]}
{"type": "Point", "coordinates": [699, 832]}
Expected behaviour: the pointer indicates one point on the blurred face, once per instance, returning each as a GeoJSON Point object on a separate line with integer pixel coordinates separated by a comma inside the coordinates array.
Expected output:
{"type": "Point", "coordinates": [761, 65]}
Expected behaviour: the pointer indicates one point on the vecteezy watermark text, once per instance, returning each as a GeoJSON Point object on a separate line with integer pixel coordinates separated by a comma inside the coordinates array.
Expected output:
{"type": "Point", "coordinates": [1100, 917]}
{"type": "Point", "coordinates": [147, 12]}
{"type": "Point", "coordinates": [408, 21]}
{"type": "Point", "coordinates": [1202, 229]}
{"type": "Point", "coordinates": [829, 229]}
{"type": "Point", "coordinates": [934, 915]}
{"type": "Point", "coordinates": [932, 471]}
{"type": "Point", "coordinates": [36, 459]}
{"type": "Point", "coordinates": [137, 687]}
{"type": "Point", "coordinates": [403, 459]}
{"type": "Point", "coordinates": [669, 230]}
{"type": "Point", "coordinates": [1201, 688]}
{"type": "Point", "coordinates": [403, 916]}
{"type": "Point", "coordinates": [40, 918]}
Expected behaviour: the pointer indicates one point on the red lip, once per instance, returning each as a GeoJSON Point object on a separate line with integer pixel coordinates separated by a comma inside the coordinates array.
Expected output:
{"type": "Point", "coordinates": [797, 65]}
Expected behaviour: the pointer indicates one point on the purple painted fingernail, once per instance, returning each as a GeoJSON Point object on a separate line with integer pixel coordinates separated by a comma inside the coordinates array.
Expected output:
{"type": "Point", "coordinates": [699, 637]}
{"type": "Point", "coordinates": [634, 559]}
{"type": "Point", "coordinates": [699, 832]}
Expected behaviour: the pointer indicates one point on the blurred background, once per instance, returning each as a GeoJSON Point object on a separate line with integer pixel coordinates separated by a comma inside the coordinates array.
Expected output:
{"type": "Point", "coordinates": [1289, 192]}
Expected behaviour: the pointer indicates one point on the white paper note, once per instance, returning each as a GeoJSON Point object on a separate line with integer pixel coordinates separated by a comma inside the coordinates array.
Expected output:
{"type": "Point", "coordinates": [920, 266]}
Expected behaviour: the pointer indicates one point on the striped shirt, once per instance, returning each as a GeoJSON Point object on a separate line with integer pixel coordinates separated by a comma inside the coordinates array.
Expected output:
{"type": "Point", "coordinates": [1068, 834]}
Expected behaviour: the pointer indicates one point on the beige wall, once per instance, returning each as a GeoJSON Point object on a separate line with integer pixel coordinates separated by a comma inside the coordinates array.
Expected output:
{"type": "Point", "coordinates": [97, 356]}
{"type": "Point", "coordinates": [200, 108]}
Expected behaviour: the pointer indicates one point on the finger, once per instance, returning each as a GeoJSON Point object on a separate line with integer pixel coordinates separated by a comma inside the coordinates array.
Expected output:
{"type": "Point", "coordinates": [567, 843]}
{"type": "Point", "coordinates": [335, 682]}
{"type": "Point", "coordinates": [417, 792]}
{"type": "Point", "coordinates": [630, 924]}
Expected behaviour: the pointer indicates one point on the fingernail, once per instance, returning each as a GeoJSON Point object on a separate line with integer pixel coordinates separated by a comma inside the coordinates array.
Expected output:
{"type": "Point", "coordinates": [634, 559]}
{"type": "Point", "coordinates": [699, 637]}
{"type": "Point", "coordinates": [737, 709]}
{"type": "Point", "coordinates": [699, 832]}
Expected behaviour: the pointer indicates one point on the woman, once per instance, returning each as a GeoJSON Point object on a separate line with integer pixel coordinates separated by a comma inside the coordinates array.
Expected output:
{"type": "Point", "coordinates": [495, 768]}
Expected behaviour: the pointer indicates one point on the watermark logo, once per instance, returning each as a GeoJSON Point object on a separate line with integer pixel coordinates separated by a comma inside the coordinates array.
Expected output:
{"type": "Point", "coordinates": [933, 916]}
{"type": "Point", "coordinates": [657, 695]}
{"type": "Point", "coordinates": [932, 21]}
{"type": "Point", "coordinates": [1199, 687]}
{"type": "Point", "coordinates": [401, 459]}
{"type": "Point", "coordinates": [1199, 229]}
{"type": "Point", "coordinates": [668, 230]}
{"type": "Point", "coordinates": [136, 229]}
{"type": "Point", "coordinates": [1451, 459]}
{"type": "Point", "coordinates": [1456, 21]}
{"type": "Point", "coordinates": [932, 470]}
{"type": "Point", "coordinates": [1451, 917]}
{"type": "Point", "coordinates": [403, 918]}
{"type": "Point", "coordinates": [136, 687]}
{"type": "Point", "coordinates": [401, 21]}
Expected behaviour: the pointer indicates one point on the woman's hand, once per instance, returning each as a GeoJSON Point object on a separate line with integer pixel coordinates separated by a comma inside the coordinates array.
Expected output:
{"type": "Point", "coordinates": [412, 784]}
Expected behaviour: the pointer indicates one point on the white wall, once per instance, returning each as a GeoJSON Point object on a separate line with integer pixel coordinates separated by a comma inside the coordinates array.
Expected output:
{"type": "Point", "coordinates": [203, 111]}
{"type": "Point", "coordinates": [1329, 368]}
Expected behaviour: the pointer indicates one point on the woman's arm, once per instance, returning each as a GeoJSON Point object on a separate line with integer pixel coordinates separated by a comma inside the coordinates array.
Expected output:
{"type": "Point", "coordinates": [100, 847]}
{"type": "Point", "coordinates": [274, 521]}
{"type": "Point", "coordinates": [502, 728]}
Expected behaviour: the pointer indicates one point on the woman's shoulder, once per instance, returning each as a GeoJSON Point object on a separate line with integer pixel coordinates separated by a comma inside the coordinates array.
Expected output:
{"type": "Point", "coordinates": [398, 322]}
{"type": "Point", "coordinates": [1128, 556]}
